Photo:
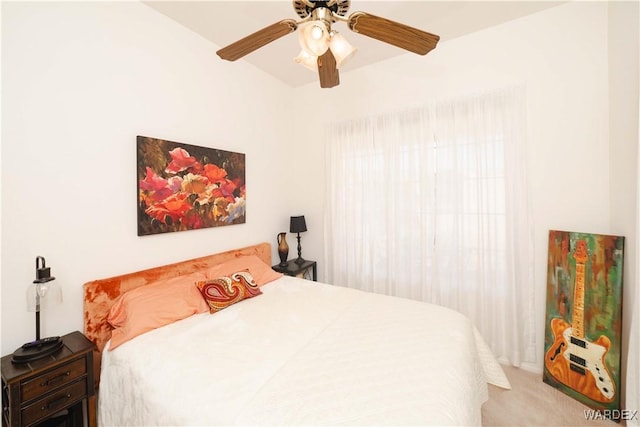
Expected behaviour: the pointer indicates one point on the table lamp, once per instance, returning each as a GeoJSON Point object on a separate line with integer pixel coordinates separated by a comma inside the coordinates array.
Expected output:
{"type": "Point", "coordinates": [298, 225]}
{"type": "Point", "coordinates": [41, 294]}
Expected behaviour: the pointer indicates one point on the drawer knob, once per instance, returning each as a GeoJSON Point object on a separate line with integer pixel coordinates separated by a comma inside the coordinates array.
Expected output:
{"type": "Point", "coordinates": [56, 402]}
{"type": "Point", "coordinates": [55, 380]}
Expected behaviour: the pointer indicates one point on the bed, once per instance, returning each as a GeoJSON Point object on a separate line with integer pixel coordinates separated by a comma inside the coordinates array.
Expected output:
{"type": "Point", "coordinates": [299, 353]}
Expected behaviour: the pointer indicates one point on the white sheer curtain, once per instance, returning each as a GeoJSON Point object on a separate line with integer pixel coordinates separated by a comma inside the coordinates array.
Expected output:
{"type": "Point", "coordinates": [431, 204]}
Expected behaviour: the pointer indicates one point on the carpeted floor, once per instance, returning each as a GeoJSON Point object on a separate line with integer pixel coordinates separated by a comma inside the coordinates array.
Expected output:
{"type": "Point", "coordinates": [531, 402]}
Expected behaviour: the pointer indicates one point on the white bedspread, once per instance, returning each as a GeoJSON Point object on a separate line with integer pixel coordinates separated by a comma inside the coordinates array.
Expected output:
{"type": "Point", "coordinates": [303, 353]}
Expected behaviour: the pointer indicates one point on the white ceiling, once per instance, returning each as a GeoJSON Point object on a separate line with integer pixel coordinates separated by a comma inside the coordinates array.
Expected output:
{"type": "Point", "coordinates": [224, 22]}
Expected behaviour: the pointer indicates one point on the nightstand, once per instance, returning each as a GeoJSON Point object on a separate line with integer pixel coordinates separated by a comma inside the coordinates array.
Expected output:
{"type": "Point", "coordinates": [306, 270]}
{"type": "Point", "coordinates": [37, 391]}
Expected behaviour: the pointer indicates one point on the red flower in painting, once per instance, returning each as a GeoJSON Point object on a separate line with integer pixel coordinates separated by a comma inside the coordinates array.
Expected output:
{"type": "Point", "coordinates": [152, 182]}
{"type": "Point", "coordinates": [173, 207]}
{"type": "Point", "coordinates": [157, 187]}
{"type": "Point", "coordinates": [214, 173]}
{"type": "Point", "coordinates": [180, 160]}
{"type": "Point", "coordinates": [196, 168]}
{"type": "Point", "coordinates": [161, 194]}
{"type": "Point", "coordinates": [225, 190]}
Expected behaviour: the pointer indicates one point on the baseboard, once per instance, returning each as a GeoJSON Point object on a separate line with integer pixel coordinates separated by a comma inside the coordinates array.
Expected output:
{"type": "Point", "coordinates": [529, 367]}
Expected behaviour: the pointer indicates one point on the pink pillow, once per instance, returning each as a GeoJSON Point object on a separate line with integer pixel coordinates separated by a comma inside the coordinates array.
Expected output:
{"type": "Point", "coordinates": [224, 291]}
{"type": "Point", "coordinates": [151, 306]}
{"type": "Point", "coordinates": [261, 272]}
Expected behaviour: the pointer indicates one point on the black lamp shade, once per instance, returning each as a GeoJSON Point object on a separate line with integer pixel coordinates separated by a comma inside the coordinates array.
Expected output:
{"type": "Point", "coordinates": [43, 273]}
{"type": "Point", "coordinates": [297, 225]}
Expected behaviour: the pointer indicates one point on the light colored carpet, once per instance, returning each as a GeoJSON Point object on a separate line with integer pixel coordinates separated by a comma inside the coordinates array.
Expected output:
{"type": "Point", "coordinates": [531, 402]}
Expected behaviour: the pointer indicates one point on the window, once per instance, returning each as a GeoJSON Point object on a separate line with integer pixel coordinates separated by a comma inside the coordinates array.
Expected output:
{"type": "Point", "coordinates": [420, 205]}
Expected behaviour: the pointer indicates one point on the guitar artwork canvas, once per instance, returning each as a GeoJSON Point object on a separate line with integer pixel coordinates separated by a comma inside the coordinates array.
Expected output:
{"type": "Point", "coordinates": [584, 316]}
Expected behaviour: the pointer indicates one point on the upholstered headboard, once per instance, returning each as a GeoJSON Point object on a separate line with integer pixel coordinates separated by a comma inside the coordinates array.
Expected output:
{"type": "Point", "coordinates": [100, 295]}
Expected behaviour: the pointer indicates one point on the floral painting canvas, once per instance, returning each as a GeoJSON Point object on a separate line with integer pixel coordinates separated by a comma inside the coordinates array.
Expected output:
{"type": "Point", "coordinates": [584, 315]}
{"type": "Point", "coordinates": [187, 187]}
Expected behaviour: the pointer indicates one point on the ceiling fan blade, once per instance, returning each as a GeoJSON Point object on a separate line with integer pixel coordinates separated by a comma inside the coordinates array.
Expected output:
{"type": "Point", "coordinates": [258, 39]}
{"type": "Point", "coordinates": [328, 70]}
{"type": "Point", "coordinates": [400, 35]}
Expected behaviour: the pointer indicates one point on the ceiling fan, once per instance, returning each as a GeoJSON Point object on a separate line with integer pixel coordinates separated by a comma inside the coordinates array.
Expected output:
{"type": "Point", "coordinates": [325, 49]}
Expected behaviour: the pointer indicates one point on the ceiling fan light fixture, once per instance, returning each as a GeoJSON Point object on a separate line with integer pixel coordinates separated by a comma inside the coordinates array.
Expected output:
{"type": "Point", "coordinates": [324, 50]}
{"type": "Point", "coordinates": [307, 61]}
{"type": "Point", "coordinates": [314, 37]}
{"type": "Point", "coordinates": [342, 50]}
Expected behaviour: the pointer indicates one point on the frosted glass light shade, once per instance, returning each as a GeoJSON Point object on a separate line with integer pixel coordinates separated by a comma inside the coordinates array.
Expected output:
{"type": "Point", "coordinates": [341, 48]}
{"type": "Point", "coordinates": [307, 61]}
{"type": "Point", "coordinates": [43, 295]}
{"type": "Point", "coordinates": [314, 37]}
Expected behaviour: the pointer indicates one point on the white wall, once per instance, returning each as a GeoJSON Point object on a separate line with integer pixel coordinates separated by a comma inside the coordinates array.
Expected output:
{"type": "Point", "coordinates": [80, 80]}
{"type": "Point", "coordinates": [561, 56]}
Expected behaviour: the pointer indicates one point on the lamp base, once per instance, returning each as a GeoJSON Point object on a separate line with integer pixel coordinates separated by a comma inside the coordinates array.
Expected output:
{"type": "Point", "coordinates": [299, 260]}
{"type": "Point", "coordinates": [29, 354]}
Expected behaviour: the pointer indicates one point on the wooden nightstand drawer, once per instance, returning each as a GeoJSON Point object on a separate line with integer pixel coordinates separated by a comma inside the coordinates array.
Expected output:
{"type": "Point", "coordinates": [67, 396]}
{"type": "Point", "coordinates": [53, 379]}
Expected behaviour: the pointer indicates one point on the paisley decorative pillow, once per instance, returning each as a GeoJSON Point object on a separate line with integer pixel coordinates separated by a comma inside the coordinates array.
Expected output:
{"type": "Point", "coordinates": [224, 291]}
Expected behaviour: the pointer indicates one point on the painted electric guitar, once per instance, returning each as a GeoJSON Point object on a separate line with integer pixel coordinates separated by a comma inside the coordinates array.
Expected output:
{"type": "Point", "coordinates": [572, 359]}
